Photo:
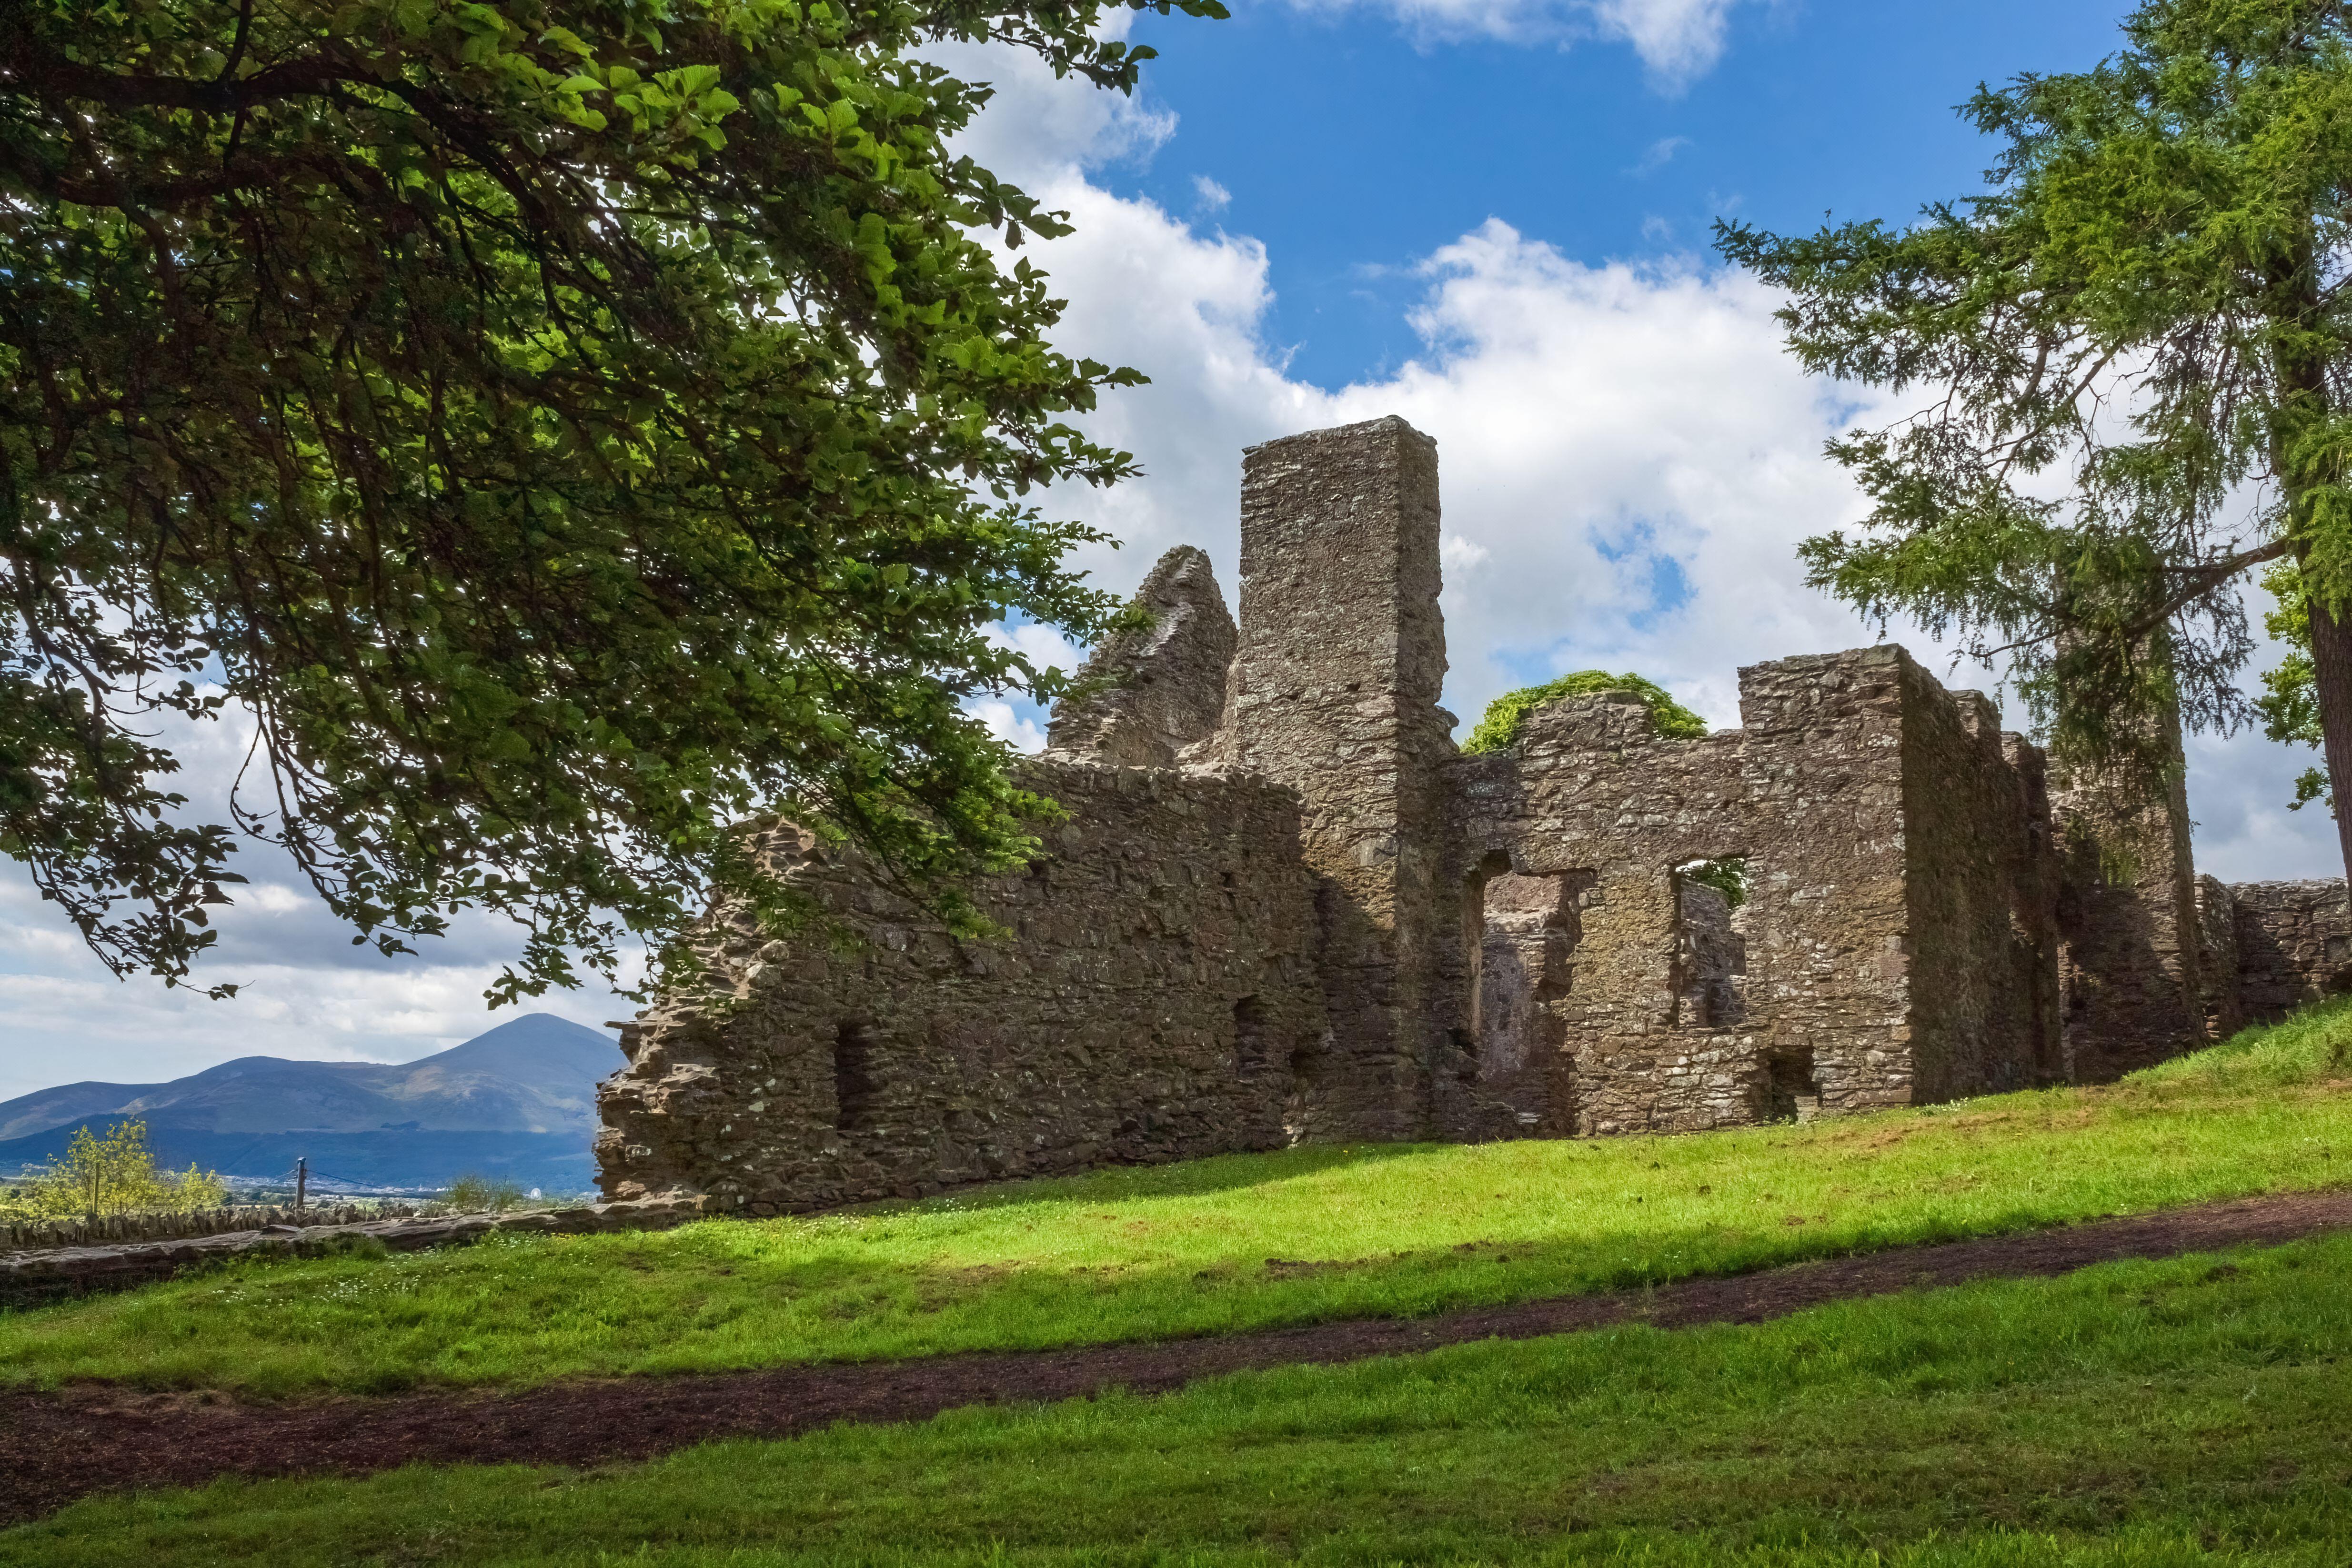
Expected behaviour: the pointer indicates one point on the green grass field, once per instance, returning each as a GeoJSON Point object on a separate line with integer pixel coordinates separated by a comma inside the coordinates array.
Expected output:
{"type": "Point", "coordinates": [1229, 1244]}
{"type": "Point", "coordinates": [2133, 1415]}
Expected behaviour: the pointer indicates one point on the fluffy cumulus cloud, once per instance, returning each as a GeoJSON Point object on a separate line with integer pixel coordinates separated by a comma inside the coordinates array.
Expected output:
{"type": "Point", "coordinates": [1630, 456]}
{"type": "Point", "coordinates": [1628, 459]}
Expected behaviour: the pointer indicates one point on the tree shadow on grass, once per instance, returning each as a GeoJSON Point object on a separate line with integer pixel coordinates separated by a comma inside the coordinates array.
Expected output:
{"type": "Point", "coordinates": [1191, 1178]}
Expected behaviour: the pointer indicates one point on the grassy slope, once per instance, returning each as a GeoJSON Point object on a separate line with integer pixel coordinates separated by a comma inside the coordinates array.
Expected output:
{"type": "Point", "coordinates": [2130, 1416]}
{"type": "Point", "coordinates": [1227, 1243]}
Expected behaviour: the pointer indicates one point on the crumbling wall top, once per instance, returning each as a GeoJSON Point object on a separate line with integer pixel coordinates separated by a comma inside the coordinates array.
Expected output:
{"type": "Point", "coordinates": [1153, 689]}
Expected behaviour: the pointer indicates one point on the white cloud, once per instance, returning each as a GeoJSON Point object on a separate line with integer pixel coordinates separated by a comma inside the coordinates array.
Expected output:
{"type": "Point", "coordinates": [1677, 41]}
{"type": "Point", "coordinates": [1213, 196]}
{"type": "Point", "coordinates": [1044, 647]}
{"type": "Point", "coordinates": [1020, 730]}
{"type": "Point", "coordinates": [64, 1018]}
{"type": "Point", "coordinates": [1659, 153]}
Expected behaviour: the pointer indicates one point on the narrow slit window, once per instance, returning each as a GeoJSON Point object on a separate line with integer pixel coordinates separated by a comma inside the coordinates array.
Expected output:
{"type": "Point", "coordinates": [856, 1093]}
{"type": "Point", "coordinates": [1250, 1053]}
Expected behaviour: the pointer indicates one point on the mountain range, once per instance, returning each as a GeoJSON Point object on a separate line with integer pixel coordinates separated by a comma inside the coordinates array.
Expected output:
{"type": "Point", "coordinates": [518, 1102]}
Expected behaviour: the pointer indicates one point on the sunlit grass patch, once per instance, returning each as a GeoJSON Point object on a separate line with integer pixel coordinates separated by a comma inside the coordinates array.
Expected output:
{"type": "Point", "coordinates": [1235, 1243]}
{"type": "Point", "coordinates": [2131, 1415]}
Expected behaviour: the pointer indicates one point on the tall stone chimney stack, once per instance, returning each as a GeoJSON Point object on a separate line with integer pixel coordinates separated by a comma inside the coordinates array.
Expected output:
{"type": "Point", "coordinates": [1335, 692]}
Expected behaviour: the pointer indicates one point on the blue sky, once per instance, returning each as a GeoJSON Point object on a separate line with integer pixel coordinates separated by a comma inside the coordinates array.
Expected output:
{"type": "Point", "coordinates": [1353, 146]}
{"type": "Point", "coordinates": [1489, 217]}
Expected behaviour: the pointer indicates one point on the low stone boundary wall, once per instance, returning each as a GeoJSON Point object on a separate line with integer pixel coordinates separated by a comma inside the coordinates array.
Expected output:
{"type": "Point", "coordinates": [32, 1278]}
{"type": "Point", "coordinates": [97, 1229]}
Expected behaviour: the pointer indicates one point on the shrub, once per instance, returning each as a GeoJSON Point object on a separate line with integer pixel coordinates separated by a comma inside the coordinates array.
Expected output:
{"type": "Point", "coordinates": [1499, 730]}
{"type": "Point", "coordinates": [1727, 876]}
{"type": "Point", "coordinates": [112, 1174]}
{"type": "Point", "coordinates": [474, 1194]}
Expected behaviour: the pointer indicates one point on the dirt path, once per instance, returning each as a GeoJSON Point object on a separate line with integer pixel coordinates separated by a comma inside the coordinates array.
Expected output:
{"type": "Point", "coordinates": [57, 1446]}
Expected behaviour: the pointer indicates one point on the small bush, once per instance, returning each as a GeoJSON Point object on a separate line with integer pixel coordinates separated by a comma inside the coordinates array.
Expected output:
{"type": "Point", "coordinates": [1727, 876]}
{"type": "Point", "coordinates": [473, 1193]}
{"type": "Point", "coordinates": [1508, 714]}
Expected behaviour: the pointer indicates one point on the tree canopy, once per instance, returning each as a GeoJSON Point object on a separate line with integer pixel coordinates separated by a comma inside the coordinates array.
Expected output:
{"type": "Point", "coordinates": [1498, 728]}
{"type": "Point", "coordinates": [2131, 354]}
{"type": "Point", "coordinates": [115, 1173]}
{"type": "Point", "coordinates": [566, 427]}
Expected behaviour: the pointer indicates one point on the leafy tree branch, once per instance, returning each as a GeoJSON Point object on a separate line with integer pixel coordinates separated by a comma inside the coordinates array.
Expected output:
{"type": "Point", "coordinates": [568, 429]}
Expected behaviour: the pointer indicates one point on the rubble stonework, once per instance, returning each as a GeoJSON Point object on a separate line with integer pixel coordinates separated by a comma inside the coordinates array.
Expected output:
{"type": "Point", "coordinates": [2131, 968]}
{"type": "Point", "coordinates": [1282, 905]}
{"type": "Point", "coordinates": [1889, 945]}
{"type": "Point", "coordinates": [2295, 946]}
{"type": "Point", "coordinates": [1153, 689]}
{"type": "Point", "coordinates": [1155, 999]}
{"type": "Point", "coordinates": [2223, 984]}
{"type": "Point", "coordinates": [1334, 693]}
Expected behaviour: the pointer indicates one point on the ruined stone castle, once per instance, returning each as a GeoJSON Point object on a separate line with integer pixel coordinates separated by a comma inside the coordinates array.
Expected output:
{"type": "Point", "coordinates": [1280, 904]}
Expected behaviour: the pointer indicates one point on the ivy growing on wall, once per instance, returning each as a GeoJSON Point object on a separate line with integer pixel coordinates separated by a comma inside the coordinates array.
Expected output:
{"type": "Point", "coordinates": [1727, 876]}
{"type": "Point", "coordinates": [1499, 730]}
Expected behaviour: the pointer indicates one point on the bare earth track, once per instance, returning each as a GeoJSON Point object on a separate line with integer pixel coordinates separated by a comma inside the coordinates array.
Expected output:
{"type": "Point", "coordinates": [57, 1447]}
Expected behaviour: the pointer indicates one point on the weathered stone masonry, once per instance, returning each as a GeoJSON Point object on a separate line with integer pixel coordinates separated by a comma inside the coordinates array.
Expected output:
{"type": "Point", "coordinates": [1282, 906]}
{"type": "Point", "coordinates": [1891, 945]}
{"type": "Point", "coordinates": [1157, 988]}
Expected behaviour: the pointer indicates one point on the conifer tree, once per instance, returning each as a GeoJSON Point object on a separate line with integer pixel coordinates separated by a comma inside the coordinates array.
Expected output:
{"type": "Point", "coordinates": [2132, 359]}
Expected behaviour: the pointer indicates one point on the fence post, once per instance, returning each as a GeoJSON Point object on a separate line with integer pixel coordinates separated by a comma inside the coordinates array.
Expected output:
{"type": "Point", "coordinates": [301, 1179]}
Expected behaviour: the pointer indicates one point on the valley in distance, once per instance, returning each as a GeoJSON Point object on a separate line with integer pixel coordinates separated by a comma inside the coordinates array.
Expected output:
{"type": "Point", "coordinates": [516, 1104]}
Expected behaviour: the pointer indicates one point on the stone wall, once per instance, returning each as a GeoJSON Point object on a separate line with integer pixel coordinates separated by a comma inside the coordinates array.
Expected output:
{"type": "Point", "coordinates": [1981, 904]}
{"type": "Point", "coordinates": [2130, 969]}
{"type": "Point", "coordinates": [1596, 809]}
{"type": "Point", "coordinates": [1282, 906]}
{"type": "Point", "coordinates": [2219, 981]}
{"type": "Point", "coordinates": [1156, 688]}
{"type": "Point", "coordinates": [39, 1275]}
{"type": "Point", "coordinates": [1334, 693]}
{"type": "Point", "coordinates": [2295, 946]}
{"type": "Point", "coordinates": [1895, 945]}
{"type": "Point", "coordinates": [103, 1229]}
{"type": "Point", "coordinates": [1154, 999]}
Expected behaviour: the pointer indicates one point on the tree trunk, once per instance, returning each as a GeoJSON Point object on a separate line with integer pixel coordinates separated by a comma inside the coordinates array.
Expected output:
{"type": "Point", "coordinates": [2331, 663]}
{"type": "Point", "coordinates": [2303, 398]}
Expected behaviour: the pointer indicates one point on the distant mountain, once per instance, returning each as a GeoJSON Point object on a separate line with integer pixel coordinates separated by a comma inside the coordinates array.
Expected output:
{"type": "Point", "coordinates": [524, 1092]}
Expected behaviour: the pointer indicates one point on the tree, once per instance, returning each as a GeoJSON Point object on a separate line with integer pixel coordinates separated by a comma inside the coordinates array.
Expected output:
{"type": "Point", "coordinates": [566, 427]}
{"type": "Point", "coordinates": [2289, 705]}
{"type": "Point", "coordinates": [116, 1174]}
{"type": "Point", "coordinates": [2134, 351]}
{"type": "Point", "coordinates": [1498, 729]}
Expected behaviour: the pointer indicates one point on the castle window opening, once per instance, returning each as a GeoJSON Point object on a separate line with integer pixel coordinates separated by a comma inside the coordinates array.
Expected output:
{"type": "Point", "coordinates": [1521, 940]}
{"type": "Point", "coordinates": [1710, 959]}
{"type": "Point", "coordinates": [1792, 1092]}
{"type": "Point", "coordinates": [857, 1088]}
{"type": "Point", "coordinates": [1251, 1055]}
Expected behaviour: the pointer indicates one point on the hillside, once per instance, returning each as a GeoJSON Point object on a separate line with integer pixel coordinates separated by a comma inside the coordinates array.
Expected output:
{"type": "Point", "coordinates": [1237, 1243]}
{"type": "Point", "coordinates": [2145, 1411]}
{"type": "Point", "coordinates": [519, 1101]}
